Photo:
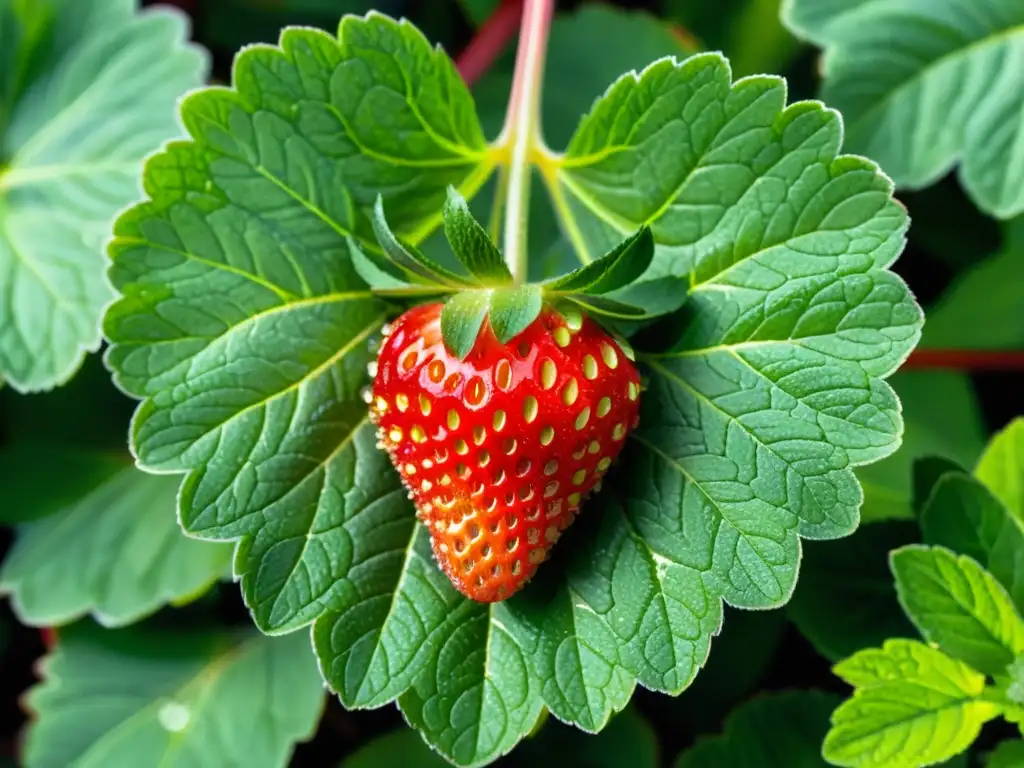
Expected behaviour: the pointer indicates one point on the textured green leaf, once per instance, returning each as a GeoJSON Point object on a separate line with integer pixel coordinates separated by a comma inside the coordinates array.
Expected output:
{"type": "Point", "coordinates": [912, 706]}
{"type": "Point", "coordinates": [946, 88]}
{"type": "Point", "coordinates": [1001, 467]}
{"type": "Point", "coordinates": [1009, 754]}
{"type": "Point", "coordinates": [462, 317]}
{"type": "Point", "coordinates": [242, 321]}
{"type": "Point", "coordinates": [87, 91]}
{"type": "Point", "coordinates": [962, 515]}
{"type": "Point", "coordinates": [471, 243]}
{"type": "Point", "coordinates": [409, 258]}
{"type": "Point", "coordinates": [845, 600]}
{"type": "Point", "coordinates": [782, 728]}
{"type": "Point", "coordinates": [959, 606]}
{"type": "Point", "coordinates": [157, 698]}
{"type": "Point", "coordinates": [116, 553]}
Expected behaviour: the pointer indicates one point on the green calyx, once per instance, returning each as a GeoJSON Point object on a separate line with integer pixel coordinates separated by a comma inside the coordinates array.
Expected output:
{"type": "Point", "coordinates": [612, 286]}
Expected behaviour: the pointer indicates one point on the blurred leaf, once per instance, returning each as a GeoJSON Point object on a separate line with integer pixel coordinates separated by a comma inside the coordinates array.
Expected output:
{"type": "Point", "coordinates": [97, 95]}
{"type": "Point", "coordinates": [927, 472]}
{"type": "Point", "coordinates": [963, 515]}
{"type": "Point", "coordinates": [906, 692]}
{"type": "Point", "coordinates": [772, 730]}
{"type": "Point", "coordinates": [160, 699]}
{"type": "Point", "coordinates": [117, 553]}
{"type": "Point", "coordinates": [845, 599]}
{"type": "Point", "coordinates": [958, 606]}
{"type": "Point", "coordinates": [232, 24]}
{"type": "Point", "coordinates": [26, 477]}
{"type": "Point", "coordinates": [1008, 754]}
{"type": "Point", "coordinates": [948, 226]}
{"type": "Point", "coordinates": [924, 85]}
{"type": "Point", "coordinates": [941, 417]}
{"type": "Point", "coordinates": [402, 747]}
{"type": "Point", "coordinates": [1001, 467]}
{"type": "Point", "coordinates": [478, 11]}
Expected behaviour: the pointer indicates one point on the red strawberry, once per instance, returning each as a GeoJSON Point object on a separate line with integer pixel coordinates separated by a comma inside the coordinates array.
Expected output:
{"type": "Point", "coordinates": [499, 450]}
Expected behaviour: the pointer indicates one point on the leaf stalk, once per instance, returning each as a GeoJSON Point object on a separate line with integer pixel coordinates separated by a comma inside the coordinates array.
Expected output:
{"type": "Point", "coordinates": [522, 132]}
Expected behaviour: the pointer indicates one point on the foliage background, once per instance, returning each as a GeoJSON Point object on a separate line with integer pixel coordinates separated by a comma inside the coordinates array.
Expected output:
{"type": "Point", "coordinates": [959, 262]}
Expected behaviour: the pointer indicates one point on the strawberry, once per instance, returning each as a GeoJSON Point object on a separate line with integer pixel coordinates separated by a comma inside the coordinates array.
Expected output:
{"type": "Point", "coordinates": [499, 449]}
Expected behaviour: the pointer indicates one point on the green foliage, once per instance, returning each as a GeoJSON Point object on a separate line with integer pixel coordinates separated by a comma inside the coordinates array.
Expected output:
{"type": "Point", "coordinates": [174, 701]}
{"type": "Point", "coordinates": [117, 553]}
{"type": "Point", "coordinates": [1009, 754]}
{"type": "Point", "coordinates": [925, 85]}
{"type": "Point", "coordinates": [87, 90]}
{"type": "Point", "coordinates": [749, 430]}
{"type": "Point", "coordinates": [912, 706]}
{"type": "Point", "coordinates": [1000, 468]}
{"type": "Point", "coordinates": [766, 731]}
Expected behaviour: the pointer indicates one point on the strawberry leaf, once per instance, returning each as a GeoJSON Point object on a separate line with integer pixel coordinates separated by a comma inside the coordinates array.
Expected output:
{"type": "Point", "coordinates": [407, 257]}
{"type": "Point", "coordinates": [87, 90]}
{"type": "Point", "coordinates": [117, 553]}
{"type": "Point", "coordinates": [108, 697]}
{"type": "Point", "coordinates": [928, 84]}
{"type": "Point", "coordinates": [470, 242]}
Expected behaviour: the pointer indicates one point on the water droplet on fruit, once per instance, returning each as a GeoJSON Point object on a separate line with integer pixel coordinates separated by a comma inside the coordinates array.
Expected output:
{"type": "Point", "coordinates": [503, 375]}
{"type": "Point", "coordinates": [367, 394]}
{"type": "Point", "coordinates": [476, 392]}
{"type": "Point", "coordinates": [402, 402]}
{"type": "Point", "coordinates": [435, 371]}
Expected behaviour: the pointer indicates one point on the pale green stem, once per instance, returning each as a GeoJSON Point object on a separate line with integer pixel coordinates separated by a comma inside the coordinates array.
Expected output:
{"type": "Point", "coordinates": [522, 131]}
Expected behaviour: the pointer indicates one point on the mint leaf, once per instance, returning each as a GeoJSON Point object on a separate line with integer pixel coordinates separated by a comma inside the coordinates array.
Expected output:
{"type": "Point", "coordinates": [180, 700]}
{"type": "Point", "coordinates": [845, 600]}
{"type": "Point", "coordinates": [1001, 468]}
{"type": "Point", "coordinates": [243, 323]}
{"type": "Point", "coordinates": [961, 514]}
{"type": "Point", "coordinates": [777, 727]}
{"type": "Point", "coordinates": [912, 705]}
{"type": "Point", "coordinates": [116, 553]}
{"type": "Point", "coordinates": [88, 91]}
{"type": "Point", "coordinates": [959, 606]}
{"type": "Point", "coordinates": [939, 92]}
{"type": "Point", "coordinates": [470, 242]}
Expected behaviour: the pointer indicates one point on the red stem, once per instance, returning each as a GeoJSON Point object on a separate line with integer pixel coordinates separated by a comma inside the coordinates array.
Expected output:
{"type": "Point", "coordinates": [490, 41]}
{"type": "Point", "coordinates": [964, 360]}
{"type": "Point", "coordinates": [49, 635]}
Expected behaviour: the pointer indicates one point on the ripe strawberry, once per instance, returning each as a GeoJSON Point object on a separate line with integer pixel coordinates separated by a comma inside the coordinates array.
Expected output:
{"type": "Point", "coordinates": [499, 450]}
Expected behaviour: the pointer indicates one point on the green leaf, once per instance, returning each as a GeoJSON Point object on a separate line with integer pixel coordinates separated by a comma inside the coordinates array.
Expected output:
{"type": "Point", "coordinates": [1008, 754]}
{"type": "Point", "coordinates": [243, 324]}
{"type": "Point", "coordinates": [786, 726]}
{"type": "Point", "coordinates": [462, 318]}
{"type": "Point", "coordinates": [927, 472]}
{"type": "Point", "coordinates": [407, 257]}
{"type": "Point", "coordinates": [470, 242]}
{"type": "Point", "coordinates": [26, 476]}
{"type": "Point", "coordinates": [962, 515]}
{"type": "Point", "coordinates": [946, 89]}
{"type": "Point", "coordinates": [845, 600]}
{"type": "Point", "coordinates": [913, 705]}
{"type": "Point", "coordinates": [959, 606]}
{"type": "Point", "coordinates": [1001, 467]}
{"type": "Point", "coordinates": [179, 700]}
{"type": "Point", "coordinates": [512, 310]}
{"type": "Point", "coordinates": [88, 90]}
{"type": "Point", "coordinates": [404, 747]}
{"type": "Point", "coordinates": [116, 553]}
{"type": "Point", "coordinates": [616, 269]}
{"type": "Point", "coordinates": [479, 11]}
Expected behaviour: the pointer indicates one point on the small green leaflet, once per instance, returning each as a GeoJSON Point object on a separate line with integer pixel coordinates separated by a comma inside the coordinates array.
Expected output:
{"type": "Point", "coordinates": [906, 693]}
{"type": "Point", "coordinates": [471, 243]}
{"type": "Point", "coordinates": [963, 515]}
{"type": "Point", "coordinates": [100, 97]}
{"type": "Point", "coordinates": [180, 700]}
{"type": "Point", "coordinates": [748, 434]}
{"type": "Point", "coordinates": [116, 553]}
{"type": "Point", "coordinates": [1009, 754]}
{"type": "Point", "coordinates": [786, 726]}
{"type": "Point", "coordinates": [958, 606]}
{"type": "Point", "coordinates": [946, 89]}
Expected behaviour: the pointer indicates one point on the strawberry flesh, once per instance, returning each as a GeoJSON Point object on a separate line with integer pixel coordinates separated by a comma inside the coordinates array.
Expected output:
{"type": "Point", "coordinates": [499, 450]}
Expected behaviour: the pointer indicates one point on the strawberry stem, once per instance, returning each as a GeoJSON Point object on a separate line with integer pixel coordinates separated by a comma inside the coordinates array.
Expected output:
{"type": "Point", "coordinates": [964, 360]}
{"type": "Point", "coordinates": [522, 130]}
{"type": "Point", "coordinates": [489, 42]}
